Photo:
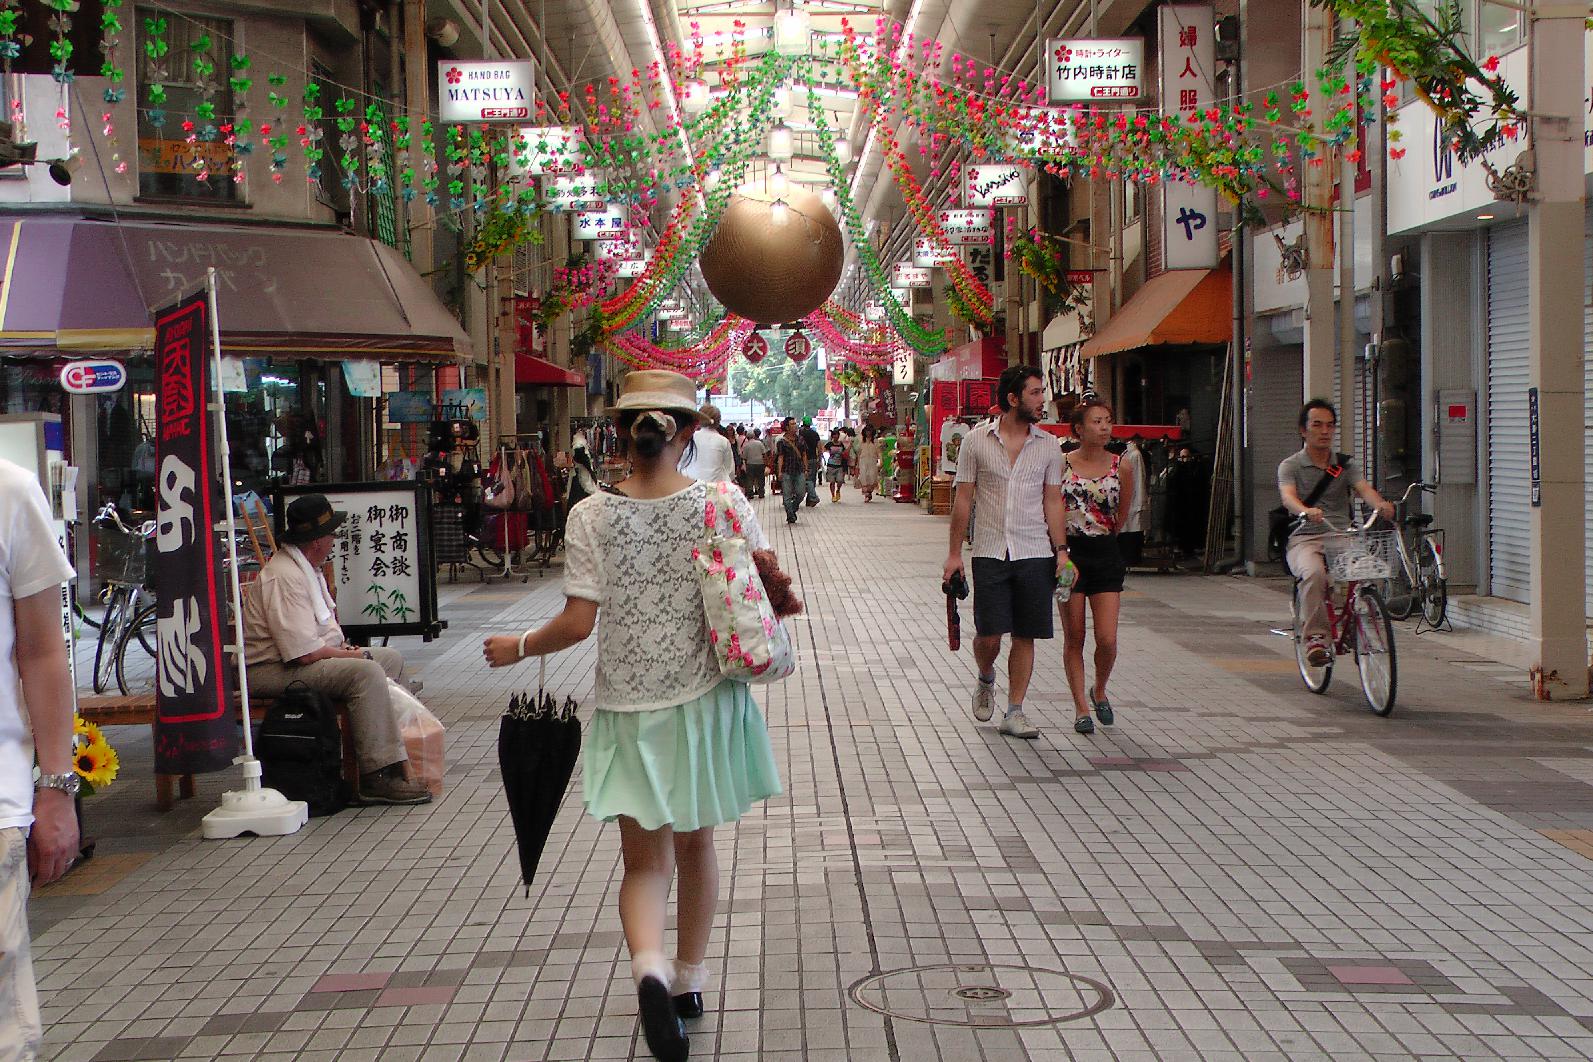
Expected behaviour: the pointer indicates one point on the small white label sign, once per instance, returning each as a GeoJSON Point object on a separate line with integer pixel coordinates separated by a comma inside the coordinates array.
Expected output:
{"type": "Point", "coordinates": [993, 186]}
{"type": "Point", "coordinates": [968, 228]}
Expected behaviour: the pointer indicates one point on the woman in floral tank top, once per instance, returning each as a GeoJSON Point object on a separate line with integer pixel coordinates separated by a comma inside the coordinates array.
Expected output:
{"type": "Point", "coordinates": [1094, 485]}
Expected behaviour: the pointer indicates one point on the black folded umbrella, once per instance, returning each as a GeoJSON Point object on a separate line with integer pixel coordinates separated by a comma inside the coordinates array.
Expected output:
{"type": "Point", "coordinates": [539, 741]}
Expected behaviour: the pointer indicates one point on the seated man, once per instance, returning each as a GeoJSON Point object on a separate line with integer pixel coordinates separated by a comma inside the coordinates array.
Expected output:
{"type": "Point", "coordinates": [291, 634]}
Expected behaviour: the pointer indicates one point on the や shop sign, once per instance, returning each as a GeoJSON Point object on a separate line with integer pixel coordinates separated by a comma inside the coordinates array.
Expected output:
{"type": "Point", "coordinates": [485, 90]}
{"type": "Point", "coordinates": [92, 377]}
{"type": "Point", "coordinates": [1080, 70]}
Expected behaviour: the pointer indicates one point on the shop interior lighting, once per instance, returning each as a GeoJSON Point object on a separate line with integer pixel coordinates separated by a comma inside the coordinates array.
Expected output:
{"type": "Point", "coordinates": [1484, 217]}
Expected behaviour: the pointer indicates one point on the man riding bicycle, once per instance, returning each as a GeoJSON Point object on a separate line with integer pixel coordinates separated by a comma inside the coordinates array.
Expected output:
{"type": "Point", "coordinates": [1316, 484]}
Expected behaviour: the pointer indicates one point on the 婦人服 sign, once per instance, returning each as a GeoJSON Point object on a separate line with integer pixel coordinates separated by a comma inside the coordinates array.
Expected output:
{"type": "Point", "coordinates": [383, 566]}
{"type": "Point", "coordinates": [928, 254]}
{"type": "Point", "coordinates": [967, 228]}
{"type": "Point", "coordinates": [485, 90]}
{"type": "Point", "coordinates": [1188, 58]}
{"type": "Point", "coordinates": [1081, 70]}
{"type": "Point", "coordinates": [608, 224]}
{"type": "Point", "coordinates": [194, 731]}
{"type": "Point", "coordinates": [910, 276]}
{"type": "Point", "coordinates": [993, 186]}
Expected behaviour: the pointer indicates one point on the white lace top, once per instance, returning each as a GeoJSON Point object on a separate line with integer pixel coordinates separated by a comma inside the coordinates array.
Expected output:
{"type": "Point", "coordinates": [633, 557]}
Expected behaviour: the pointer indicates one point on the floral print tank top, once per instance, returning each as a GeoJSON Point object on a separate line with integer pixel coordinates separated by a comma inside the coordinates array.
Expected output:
{"type": "Point", "coordinates": [1092, 504]}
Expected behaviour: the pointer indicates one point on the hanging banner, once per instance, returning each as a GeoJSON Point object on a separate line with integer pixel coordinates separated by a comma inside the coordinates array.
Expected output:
{"type": "Point", "coordinates": [1082, 70]}
{"type": "Point", "coordinates": [1188, 63]}
{"type": "Point", "coordinates": [928, 254]}
{"type": "Point", "coordinates": [485, 90]}
{"type": "Point", "coordinates": [194, 730]}
{"type": "Point", "coordinates": [546, 149]}
{"type": "Point", "coordinates": [569, 192]}
{"type": "Point", "coordinates": [993, 186]}
{"type": "Point", "coordinates": [968, 228]}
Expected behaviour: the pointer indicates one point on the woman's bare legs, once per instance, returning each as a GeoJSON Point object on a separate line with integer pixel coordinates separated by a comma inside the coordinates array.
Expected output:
{"type": "Point", "coordinates": [1104, 610]}
{"type": "Point", "coordinates": [698, 865]}
{"type": "Point", "coordinates": [649, 857]}
{"type": "Point", "coordinates": [1072, 615]}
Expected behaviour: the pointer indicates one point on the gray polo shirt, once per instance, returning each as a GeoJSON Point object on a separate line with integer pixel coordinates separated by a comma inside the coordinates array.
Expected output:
{"type": "Point", "coordinates": [1298, 471]}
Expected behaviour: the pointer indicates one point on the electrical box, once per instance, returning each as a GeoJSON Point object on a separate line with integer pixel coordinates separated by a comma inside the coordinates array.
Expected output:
{"type": "Point", "coordinates": [1455, 431]}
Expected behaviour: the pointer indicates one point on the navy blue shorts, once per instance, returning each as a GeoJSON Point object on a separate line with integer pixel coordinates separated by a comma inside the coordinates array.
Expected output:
{"type": "Point", "coordinates": [1013, 596]}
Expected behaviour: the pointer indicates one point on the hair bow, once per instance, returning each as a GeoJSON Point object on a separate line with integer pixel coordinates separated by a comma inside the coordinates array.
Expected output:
{"type": "Point", "coordinates": [665, 422]}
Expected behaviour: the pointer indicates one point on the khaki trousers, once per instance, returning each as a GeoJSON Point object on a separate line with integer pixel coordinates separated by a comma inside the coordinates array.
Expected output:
{"type": "Point", "coordinates": [20, 1030]}
{"type": "Point", "coordinates": [363, 684]}
{"type": "Point", "coordinates": [1309, 565]}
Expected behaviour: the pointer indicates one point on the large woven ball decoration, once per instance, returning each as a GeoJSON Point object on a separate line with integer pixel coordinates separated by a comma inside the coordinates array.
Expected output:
{"type": "Point", "coordinates": [770, 272]}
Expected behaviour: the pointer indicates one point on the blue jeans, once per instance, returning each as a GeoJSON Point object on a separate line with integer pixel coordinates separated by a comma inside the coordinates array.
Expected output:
{"type": "Point", "coordinates": [813, 482]}
{"type": "Point", "coordinates": [792, 487]}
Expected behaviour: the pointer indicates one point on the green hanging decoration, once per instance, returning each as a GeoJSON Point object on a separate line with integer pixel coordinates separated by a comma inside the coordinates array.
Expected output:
{"type": "Point", "coordinates": [156, 49]}
{"type": "Point", "coordinates": [61, 45]}
{"type": "Point", "coordinates": [110, 47]}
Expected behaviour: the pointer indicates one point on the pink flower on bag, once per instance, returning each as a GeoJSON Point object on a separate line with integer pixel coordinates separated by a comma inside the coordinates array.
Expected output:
{"type": "Point", "coordinates": [730, 574]}
{"type": "Point", "coordinates": [728, 602]}
{"type": "Point", "coordinates": [709, 515]}
{"type": "Point", "coordinates": [696, 554]}
{"type": "Point", "coordinates": [751, 593]}
{"type": "Point", "coordinates": [768, 626]}
{"type": "Point", "coordinates": [713, 636]}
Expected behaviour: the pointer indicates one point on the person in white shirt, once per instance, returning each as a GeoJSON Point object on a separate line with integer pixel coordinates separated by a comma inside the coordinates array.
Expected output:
{"type": "Point", "coordinates": [709, 459]}
{"type": "Point", "coordinates": [38, 822]}
{"type": "Point", "coordinates": [1131, 533]}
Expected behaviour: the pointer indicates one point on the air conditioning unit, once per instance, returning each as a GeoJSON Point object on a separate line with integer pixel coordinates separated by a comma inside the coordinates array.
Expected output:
{"type": "Point", "coordinates": [13, 153]}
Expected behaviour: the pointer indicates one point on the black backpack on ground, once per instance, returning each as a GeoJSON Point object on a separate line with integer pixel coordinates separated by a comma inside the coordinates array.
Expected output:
{"type": "Point", "coordinates": [301, 750]}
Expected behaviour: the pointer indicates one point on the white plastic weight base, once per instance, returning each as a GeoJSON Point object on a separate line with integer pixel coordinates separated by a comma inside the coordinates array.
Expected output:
{"type": "Point", "coordinates": [262, 812]}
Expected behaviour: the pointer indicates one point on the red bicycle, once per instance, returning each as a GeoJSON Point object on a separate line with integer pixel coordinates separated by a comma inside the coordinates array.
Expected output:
{"type": "Point", "coordinates": [1359, 624]}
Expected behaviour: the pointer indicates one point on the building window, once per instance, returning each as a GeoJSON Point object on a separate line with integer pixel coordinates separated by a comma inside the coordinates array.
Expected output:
{"type": "Point", "coordinates": [168, 165]}
{"type": "Point", "coordinates": [1499, 29]}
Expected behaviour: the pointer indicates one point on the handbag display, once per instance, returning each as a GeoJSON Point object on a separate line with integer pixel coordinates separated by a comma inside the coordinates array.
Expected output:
{"type": "Point", "coordinates": [750, 642]}
{"type": "Point", "coordinates": [501, 497]}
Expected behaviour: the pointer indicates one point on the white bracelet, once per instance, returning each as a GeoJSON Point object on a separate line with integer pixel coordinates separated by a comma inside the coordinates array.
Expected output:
{"type": "Point", "coordinates": [523, 637]}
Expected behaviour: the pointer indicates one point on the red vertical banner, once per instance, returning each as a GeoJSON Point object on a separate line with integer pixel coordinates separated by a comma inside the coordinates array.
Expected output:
{"type": "Point", "coordinates": [194, 730]}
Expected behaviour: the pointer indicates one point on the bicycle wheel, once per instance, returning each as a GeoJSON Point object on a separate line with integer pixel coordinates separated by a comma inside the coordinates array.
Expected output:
{"type": "Point", "coordinates": [136, 657]}
{"type": "Point", "coordinates": [1373, 633]}
{"type": "Point", "coordinates": [1403, 595]}
{"type": "Point", "coordinates": [1431, 583]}
{"type": "Point", "coordinates": [1316, 679]}
{"type": "Point", "coordinates": [118, 614]}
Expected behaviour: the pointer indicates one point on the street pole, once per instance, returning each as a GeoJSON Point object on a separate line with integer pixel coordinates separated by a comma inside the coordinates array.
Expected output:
{"type": "Point", "coordinates": [417, 96]}
{"type": "Point", "coordinates": [1350, 419]}
{"type": "Point", "coordinates": [1555, 228]}
{"type": "Point", "coordinates": [1318, 196]}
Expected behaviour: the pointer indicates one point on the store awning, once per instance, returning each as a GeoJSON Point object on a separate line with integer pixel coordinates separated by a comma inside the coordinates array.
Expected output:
{"type": "Point", "coordinates": [80, 284]}
{"type": "Point", "coordinates": [1184, 306]}
{"type": "Point", "coordinates": [532, 371]}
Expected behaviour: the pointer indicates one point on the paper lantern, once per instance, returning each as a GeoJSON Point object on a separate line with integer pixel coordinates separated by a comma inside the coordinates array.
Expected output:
{"type": "Point", "coordinates": [755, 349]}
{"type": "Point", "coordinates": [767, 272]}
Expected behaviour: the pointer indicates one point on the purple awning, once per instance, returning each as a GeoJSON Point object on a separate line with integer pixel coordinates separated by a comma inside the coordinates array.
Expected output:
{"type": "Point", "coordinates": [82, 284]}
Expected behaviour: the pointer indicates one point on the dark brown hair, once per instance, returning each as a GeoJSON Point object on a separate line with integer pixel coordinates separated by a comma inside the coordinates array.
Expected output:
{"type": "Point", "coordinates": [1082, 410]}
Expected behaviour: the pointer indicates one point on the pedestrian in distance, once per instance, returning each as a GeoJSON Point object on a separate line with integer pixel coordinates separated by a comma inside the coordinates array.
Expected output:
{"type": "Point", "coordinates": [868, 464]}
{"type": "Point", "coordinates": [791, 469]}
{"type": "Point", "coordinates": [1095, 485]}
{"type": "Point", "coordinates": [836, 463]}
{"type": "Point", "coordinates": [1012, 471]}
{"type": "Point", "coordinates": [710, 458]}
{"type": "Point", "coordinates": [38, 820]}
{"type": "Point", "coordinates": [810, 450]}
{"type": "Point", "coordinates": [1131, 536]}
{"type": "Point", "coordinates": [754, 452]}
{"type": "Point", "coordinates": [659, 693]}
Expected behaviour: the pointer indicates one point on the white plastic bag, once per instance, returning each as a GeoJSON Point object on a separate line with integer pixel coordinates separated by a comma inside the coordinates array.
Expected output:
{"type": "Point", "coordinates": [423, 738]}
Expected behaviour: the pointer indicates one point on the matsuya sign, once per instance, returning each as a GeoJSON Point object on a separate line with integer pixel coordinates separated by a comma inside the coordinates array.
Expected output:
{"type": "Point", "coordinates": [485, 90]}
{"type": "Point", "coordinates": [993, 186]}
{"type": "Point", "coordinates": [1084, 69]}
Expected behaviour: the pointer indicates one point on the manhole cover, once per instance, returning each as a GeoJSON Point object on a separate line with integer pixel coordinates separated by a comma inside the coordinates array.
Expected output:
{"type": "Point", "coordinates": [982, 994]}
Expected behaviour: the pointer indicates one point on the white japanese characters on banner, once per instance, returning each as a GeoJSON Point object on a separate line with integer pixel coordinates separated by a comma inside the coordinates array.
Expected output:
{"type": "Point", "coordinates": [485, 90]}
{"type": "Point", "coordinates": [1188, 66]}
{"type": "Point", "coordinates": [968, 228]}
{"type": "Point", "coordinates": [993, 186]}
{"type": "Point", "coordinates": [1080, 70]}
{"type": "Point", "coordinates": [927, 253]}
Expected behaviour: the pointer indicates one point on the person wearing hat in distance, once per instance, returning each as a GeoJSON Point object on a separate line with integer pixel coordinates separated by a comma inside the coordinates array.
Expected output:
{"type": "Point", "coordinates": [710, 459]}
{"type": "Point", "coordinates": [291, 634]}
{"type": "Point", "coordinates": [673, 748]}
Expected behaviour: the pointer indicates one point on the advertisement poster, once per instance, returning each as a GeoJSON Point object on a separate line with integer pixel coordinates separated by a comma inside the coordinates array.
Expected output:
{"type": "Point", "coordinates": [472, 401]}
{"type": "Point", "coordinates": [194, 730]}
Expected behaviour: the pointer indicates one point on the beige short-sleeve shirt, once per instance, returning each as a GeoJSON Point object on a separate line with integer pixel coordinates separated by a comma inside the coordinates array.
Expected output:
{"type": "Point", "coordinates": [279, 616]}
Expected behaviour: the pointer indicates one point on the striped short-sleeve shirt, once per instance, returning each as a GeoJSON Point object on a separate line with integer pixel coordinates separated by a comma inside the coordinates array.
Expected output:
{"type": "Point", "coordinates": [1009, 496]}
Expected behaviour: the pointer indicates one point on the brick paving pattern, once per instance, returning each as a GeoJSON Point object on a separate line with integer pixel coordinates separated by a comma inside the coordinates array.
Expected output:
{"type": "Point", "coordinates": [1238, 869]}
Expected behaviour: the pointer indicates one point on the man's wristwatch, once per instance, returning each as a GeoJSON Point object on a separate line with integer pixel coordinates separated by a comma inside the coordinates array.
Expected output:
{"type": "Point", "coordinates": [67, 783]}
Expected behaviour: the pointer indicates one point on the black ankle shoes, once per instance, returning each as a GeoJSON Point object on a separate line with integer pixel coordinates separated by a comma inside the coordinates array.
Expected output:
{"type": "Point", "coordinates": [689, 1005]}
{"type": "Point", "coordinates": [666, 1036]}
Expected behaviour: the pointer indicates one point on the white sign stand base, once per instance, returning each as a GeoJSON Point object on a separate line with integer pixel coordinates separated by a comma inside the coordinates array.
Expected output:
{"type": "Point", "coordinates": [262, 812]}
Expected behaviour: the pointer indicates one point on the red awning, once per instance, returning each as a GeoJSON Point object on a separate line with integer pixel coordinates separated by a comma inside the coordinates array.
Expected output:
{"type": "Point", "coordinates": [532, 371]}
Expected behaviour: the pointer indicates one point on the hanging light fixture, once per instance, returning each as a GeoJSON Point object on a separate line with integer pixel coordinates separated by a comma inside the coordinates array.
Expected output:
{"type": "Point", "coordinates": [694, 98]}
{"type": "Point", "coordinates": [782, 143]}
{"type": "Point", "coordinates": [778, 182]}
{"type": "Point", "coordinates": [793, 31]}
{"type": "Point", "coordinates": [843, 149]}
{"type": "Point", "coordinates": [779, 213]}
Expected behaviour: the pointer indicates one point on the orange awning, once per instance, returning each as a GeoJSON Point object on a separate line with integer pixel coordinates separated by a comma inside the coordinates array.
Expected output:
{"type": "Point", "coordinates": [1183, 306]}
{"type": "Point", "coordinates": [534, 371]}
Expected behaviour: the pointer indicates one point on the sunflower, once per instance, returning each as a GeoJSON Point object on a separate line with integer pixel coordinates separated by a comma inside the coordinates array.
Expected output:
{"type": "Point", "coordinates": [89, 732]}
{"type": "Point", "coordinates": [96, 763]}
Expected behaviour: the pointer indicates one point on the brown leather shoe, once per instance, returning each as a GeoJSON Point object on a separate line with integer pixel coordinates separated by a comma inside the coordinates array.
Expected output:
{"type": "Point", "coordinates": [389, 786]}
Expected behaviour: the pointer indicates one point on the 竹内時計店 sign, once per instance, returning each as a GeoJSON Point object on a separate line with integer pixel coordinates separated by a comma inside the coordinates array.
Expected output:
{"type": "Point", "coordinates": [927, 253]}
{"type": "Point", "coordinates": [993, 186]}
{"type": "Point", "coordinates": [485, 90]}
{"type": "Point", "coordinates": [1081, 70]}
{"type": "Point", "coordinates": [92, 377]}
{"type": "Point", "coordinates": [910, 276]}
{"type": "Point", "coordinates": [606, 224]}
{"type": "Point", "coordinates": [967, 228]}
{"type": "Point", "coordinates": [1188, 57]}
{"type": "Point", "coordinates": [383, 565]}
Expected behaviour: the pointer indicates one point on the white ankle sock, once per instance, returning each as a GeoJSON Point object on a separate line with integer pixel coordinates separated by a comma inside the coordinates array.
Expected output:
{"type": "Point", "coordinates": [689, 978]}
{"type": "Point", "coordinates": [651, 964]}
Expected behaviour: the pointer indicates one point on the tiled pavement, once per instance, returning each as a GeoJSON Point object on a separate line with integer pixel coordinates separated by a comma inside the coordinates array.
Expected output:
{"type": "Point", "coordinates": [1238, 869]}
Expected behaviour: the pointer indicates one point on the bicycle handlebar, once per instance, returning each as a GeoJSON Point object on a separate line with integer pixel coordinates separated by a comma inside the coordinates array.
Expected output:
{"type": "Point", "coordinates": [1426, 488]}
{"type": "Point", "coordinates": [1349, 529]}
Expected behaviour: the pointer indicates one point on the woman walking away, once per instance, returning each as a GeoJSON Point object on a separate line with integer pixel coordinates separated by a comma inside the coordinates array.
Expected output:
{"type": "Point", "coordinates": [835, 463]}
{"type": "Point", "coordinates": [868, 458]}
{"type": "Point", "coordinates": [1095, 485]}
{"type": "Point", "coordinates": [673, 749]}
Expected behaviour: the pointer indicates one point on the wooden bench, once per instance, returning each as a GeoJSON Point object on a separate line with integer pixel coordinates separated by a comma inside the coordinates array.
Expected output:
{"type": "Point", "coordinates": [109, 710]}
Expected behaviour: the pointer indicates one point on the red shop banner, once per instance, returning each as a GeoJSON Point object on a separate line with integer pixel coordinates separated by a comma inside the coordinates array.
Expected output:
{"type": "Point", "coordinates": [194, 729]}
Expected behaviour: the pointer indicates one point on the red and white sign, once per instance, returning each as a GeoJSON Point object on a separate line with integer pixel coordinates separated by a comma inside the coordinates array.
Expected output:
{"type": "Point", "coordinates": [1080, 70]}
{"type": "Point", "coordinates": [485, 90]}
{"type": "Point", "coordinates": [568, 192]}
{"type": "Point", "coordinates": [93, 377]}
{"type": "Point", "coordinates": [968, 228]}
{"type": "Point", "coordinates": [927, 253]}
{"type": "Point", "coordinates": [755, 349]}
{"type": "Point", "coordinates": [993, 186]}
{"type": "Point", "coordinates": [1188, 62]}
{"type": "Point", "coordinates": [607, 224]}
{"type": "Point", "coordinates": [910, 276]}
{"type": "Point", "coordinates": [798, 347]}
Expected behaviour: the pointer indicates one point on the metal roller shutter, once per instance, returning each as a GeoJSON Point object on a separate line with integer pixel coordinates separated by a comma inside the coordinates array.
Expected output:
{"type": "Point", "coordinates": [1509, 519]}
{"type": "Point", "coordinates": [1587, 400]}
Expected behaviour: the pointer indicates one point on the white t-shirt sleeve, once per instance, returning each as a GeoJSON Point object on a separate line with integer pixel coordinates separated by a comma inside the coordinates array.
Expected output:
{"type": "Point", "coordinates": [583, 567]}
{"type": "Point", "coordinates": [34, 558]}
{"type": "Point", "coordinates": [1053, 468]}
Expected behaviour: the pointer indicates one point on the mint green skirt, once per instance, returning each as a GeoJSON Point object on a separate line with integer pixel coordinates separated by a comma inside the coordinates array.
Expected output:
{"type": "Point", "coordinates": [702, 763]}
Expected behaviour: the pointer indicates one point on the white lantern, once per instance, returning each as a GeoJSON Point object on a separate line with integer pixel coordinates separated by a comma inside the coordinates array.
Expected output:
{"type": "Point", "coordinates": [779, 213]}
{"type": "Point", "coordinates": [793, 32]}
{"type": "Point", "coordinates": [694, 96]}
{"type": "Point", "coordinates": [780, 100]}
{"type": "Point", "coordinates": [778, 182]}
{"type": "Point", "coordinates": [843, 150]}
{"type": "Point", "coordinates": [782, 143]}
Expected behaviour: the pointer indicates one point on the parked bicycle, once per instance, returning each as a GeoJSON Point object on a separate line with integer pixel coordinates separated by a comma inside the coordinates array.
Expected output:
{"type": "Point", "coordinates": [129, 602]}
{"type": "Point", "coordinates": [1357, 559]}
{"type": "Point", "coordinates": [1419, 581]}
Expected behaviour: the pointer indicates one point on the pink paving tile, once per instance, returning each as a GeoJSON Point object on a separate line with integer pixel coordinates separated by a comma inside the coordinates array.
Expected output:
{"type": "Point", "coordinates": [1161, 765]}
{"type": "Point", "coordinates": [415, 997]}
{"type": "Point", "coordinates": [351, 982]}
{"type": "Point", "coordinates": [1111, 761]}
{"type": "Point", "coordinates": [1370, 975]}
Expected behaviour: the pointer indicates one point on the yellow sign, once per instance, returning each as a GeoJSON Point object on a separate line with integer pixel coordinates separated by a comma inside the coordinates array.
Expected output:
{"type": "Point", "coordinates": [179, 156]}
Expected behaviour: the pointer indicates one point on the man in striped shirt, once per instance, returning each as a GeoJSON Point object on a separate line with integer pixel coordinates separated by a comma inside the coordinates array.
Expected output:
{"type": "Point", "coordinates": [1012, 472]}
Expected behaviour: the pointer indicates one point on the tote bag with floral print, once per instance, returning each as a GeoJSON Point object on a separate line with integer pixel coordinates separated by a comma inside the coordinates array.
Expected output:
{"type": "Point", "coordinates": [750, 642]}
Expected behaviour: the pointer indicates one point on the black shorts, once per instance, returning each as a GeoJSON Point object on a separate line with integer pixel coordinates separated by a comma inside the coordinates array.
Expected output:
{"type": "Point", "coordinates": [1100, 564]}
{"type": "Point", "coordinates": [1013, 596]}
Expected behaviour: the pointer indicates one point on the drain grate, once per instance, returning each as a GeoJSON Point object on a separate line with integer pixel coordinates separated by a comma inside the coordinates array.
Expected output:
{"type": "Point", "coordinates": [982, 994]}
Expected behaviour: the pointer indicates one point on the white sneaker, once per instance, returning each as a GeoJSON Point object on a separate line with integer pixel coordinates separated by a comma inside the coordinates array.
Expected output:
{"type": "Point", "coordinates": [1015, 725]}
{"type": "Point", "coordinates": [984, 700]}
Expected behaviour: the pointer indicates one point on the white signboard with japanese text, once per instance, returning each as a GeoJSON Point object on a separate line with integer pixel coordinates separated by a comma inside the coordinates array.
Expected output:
{"type": "Point", "coordinates": [927, 253]}
{"type": "Point", "coordinates": [606, 224]}
{"type": "Point", "coordinates": [904, 370]}
{"type": "Point", "coordinates": [910, 276]}
{"type": "Point", "coordinates": [968, 228]}
{"type": "Point", "coordinates": [538, 150]}
{"type": "Point", "coordinates": [634, 267]}
{"type": "Point", "coordinates": [993, 186]}
{"type": "Point", "coordinates": [1188, 62]}
{"type": "Point", "coordinates": [485, 90]}
{"type": "Point", "coordinates": [1081, 70]}
{"type": "Point", "coordinates": [617, 250]}
{"type": "Point", "coordinates": [570, 192]}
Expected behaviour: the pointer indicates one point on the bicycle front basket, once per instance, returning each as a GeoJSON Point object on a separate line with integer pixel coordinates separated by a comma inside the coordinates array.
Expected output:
{"type": "Point", "coordinates": [1367, 556]}
{"type": "Point", "coordinates": [119, 556]}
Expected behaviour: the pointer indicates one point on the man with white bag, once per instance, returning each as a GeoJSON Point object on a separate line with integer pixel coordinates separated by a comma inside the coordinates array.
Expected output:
{"type": "Point", "coordinates": [291, 634]}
